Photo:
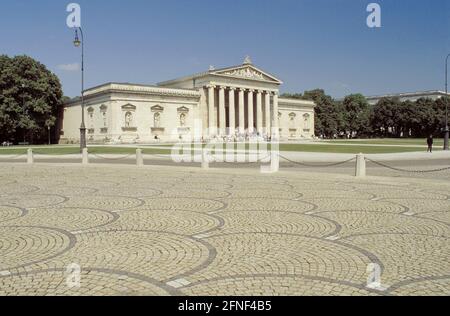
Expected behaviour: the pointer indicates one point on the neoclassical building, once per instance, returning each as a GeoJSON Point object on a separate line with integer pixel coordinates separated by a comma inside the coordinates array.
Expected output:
{"type": "Point", "coordinates": [240, 101]}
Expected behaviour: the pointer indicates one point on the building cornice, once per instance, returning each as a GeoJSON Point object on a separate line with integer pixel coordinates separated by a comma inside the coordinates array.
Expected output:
{"type": "Point", "coordinates": [296, 103]}
{"type": "Point", "coordinates": [136, 89]}
{"type": "Point", "coordinates": [117, 87]}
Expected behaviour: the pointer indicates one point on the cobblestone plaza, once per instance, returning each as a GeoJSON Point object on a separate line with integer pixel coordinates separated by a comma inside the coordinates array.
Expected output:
{"type": "Point", "coordinates": [187, 231]}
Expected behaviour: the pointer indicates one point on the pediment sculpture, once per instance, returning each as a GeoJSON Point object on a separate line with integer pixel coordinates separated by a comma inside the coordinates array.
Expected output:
{"type": "Point", "coordinates": [247, 72]}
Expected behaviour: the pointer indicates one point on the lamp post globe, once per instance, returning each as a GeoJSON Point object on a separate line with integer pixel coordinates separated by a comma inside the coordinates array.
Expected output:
{"type": "Point", "coordinates": [76, 41]}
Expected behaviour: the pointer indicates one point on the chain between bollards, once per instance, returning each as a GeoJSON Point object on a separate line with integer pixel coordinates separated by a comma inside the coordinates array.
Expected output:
{"type": "Point", "coordinates": [360, 170]}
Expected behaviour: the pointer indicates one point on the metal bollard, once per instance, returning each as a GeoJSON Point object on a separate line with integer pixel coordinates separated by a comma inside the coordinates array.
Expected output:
{"type": "Point", "coordinates": [85, 154]}
{"type": "Point", "coordinates": [30, 158]}
{"type": "Point", "coordinates": [139, 158]}
{"type": "Point", "coordinates": [205, 159]}
{"type": "Point", "coordinates": [360, 166]}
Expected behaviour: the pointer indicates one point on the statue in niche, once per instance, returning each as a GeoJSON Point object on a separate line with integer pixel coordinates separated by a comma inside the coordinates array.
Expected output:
{"type": "Point", "coordinates": [157, 119]}
{"type": "Point", "coordinates": [292, 120]}
{"type": "Point", "coordinates": [128, 119]}
{"type": "Point", "coordinates": [183, 119]}
{"type": "Point", "coordinates": [306, 120]}
{"type": "Point", "coordinates": [91, 119]}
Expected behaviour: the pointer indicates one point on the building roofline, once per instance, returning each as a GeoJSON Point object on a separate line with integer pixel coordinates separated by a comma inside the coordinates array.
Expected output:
{"type": "Point", "coordinates": [116, 86]}
{"type": "Point", "coordinates": [184, 78]}
{"type": "Point", "coordinates": [407, 94]}
{"type": "Point", "coordinates": [213, 72]}
{"type": "Point", "coordinates": [134, 84]}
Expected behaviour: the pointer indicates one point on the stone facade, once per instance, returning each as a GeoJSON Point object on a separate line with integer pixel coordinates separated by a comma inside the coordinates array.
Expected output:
{"type": "Point", "coordinates": [235, 102]}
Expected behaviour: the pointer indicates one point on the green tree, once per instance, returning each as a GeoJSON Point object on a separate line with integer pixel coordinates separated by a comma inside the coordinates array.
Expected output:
{"type": "Point", "coordinates": [29, 99]}
{"type": "Point", "coordinates": [423, 118]}
{"type": "Point", "coordinates": [384, 116]}
{"type": "Point", "coordinates": [388, 118]}
{"type": "Point", "coordinates": [407, 116]}
{"type": "Point", "coordinates": [356, 113]}
{"type": "Point", "coordinates": [328, 113]}
{"type": "Point", "coordinates": [439, 114]}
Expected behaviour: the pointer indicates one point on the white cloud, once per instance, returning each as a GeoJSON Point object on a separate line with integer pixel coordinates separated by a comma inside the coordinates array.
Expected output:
{"type": "Point", "coordinates": [69, 67]}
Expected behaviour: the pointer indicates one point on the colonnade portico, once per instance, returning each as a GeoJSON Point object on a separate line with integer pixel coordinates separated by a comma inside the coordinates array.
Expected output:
{"type": "Point", "coordinates": [250, 111]}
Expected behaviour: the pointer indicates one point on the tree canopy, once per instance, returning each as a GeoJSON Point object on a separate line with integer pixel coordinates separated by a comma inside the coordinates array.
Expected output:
{"type": "Point", "coordinates": [392, 118]}
{"type": "Point", "coordinates": [328, 113]}
{"type": "Point", "coordinates": [354, 117]}
{"type": "Point", "coordinates": [29, 99]}
{"type": "Point", "coordinates": [356, 114]}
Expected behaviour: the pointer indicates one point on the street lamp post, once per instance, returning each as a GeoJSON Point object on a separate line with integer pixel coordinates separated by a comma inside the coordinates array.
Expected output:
{"type": "Point", "coordinates": [77, 43]}
{"type": "Point", "coordinates": [446, 130]}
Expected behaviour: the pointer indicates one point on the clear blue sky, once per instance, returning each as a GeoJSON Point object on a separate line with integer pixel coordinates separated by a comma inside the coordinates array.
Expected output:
{"type": "Point", "coordinates": [306, 43]}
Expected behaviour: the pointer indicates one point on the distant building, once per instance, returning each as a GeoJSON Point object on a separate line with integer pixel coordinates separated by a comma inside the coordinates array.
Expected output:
{"type": "Point", "coordinates": [409, 96]}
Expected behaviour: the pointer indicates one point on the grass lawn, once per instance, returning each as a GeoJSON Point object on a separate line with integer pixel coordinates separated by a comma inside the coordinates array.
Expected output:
{"type": "Point", "coordinates": [389, 141]}
{"type": "Point", "coordinates": [344, 147]}
{"type": "Point", "coordinates": [59, 150]}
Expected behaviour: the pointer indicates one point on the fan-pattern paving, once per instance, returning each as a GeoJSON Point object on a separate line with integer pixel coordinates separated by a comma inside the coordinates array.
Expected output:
{"type": "Point", "coordinates": [185, 231]}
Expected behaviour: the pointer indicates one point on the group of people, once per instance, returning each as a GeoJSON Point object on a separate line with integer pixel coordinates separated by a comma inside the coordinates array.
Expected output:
{"type": "Point", "coordinates": [7, 144]}
{"type": "Point", "coordinates": [240, 137]}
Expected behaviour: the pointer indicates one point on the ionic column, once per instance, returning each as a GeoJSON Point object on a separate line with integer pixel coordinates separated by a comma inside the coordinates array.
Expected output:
{"type": "Point", "coordinates": [211, 105]}
{"type": "Point", "coordinates": [267, 112]}
{"type": "Point", "coordinates": [250, 111]}
{"type": "Point", "coordinates": [222, 112]}
{"type": "Point", "coordinates": [276, 125]}
{"type": "Point", "coordinates": [259, 112]}
{"type": "Point", "coordinates": [241, 111]}
{"type": "Point", "coordinates": [231, 114]}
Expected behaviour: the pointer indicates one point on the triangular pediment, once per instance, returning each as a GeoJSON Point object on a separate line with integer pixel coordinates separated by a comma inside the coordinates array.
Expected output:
{"type": "Point", "coordinates": [183, 109]}
{"type": "Point", "coordinates": [247, 72]}
{"type": "Point", "coordinates": [157, 108]}
{"type": "Point", "coordinates": [128, 107]}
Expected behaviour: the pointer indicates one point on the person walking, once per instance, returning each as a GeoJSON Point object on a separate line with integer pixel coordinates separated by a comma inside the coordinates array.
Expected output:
{"type": "Point", "coordinates": [430, 144]}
